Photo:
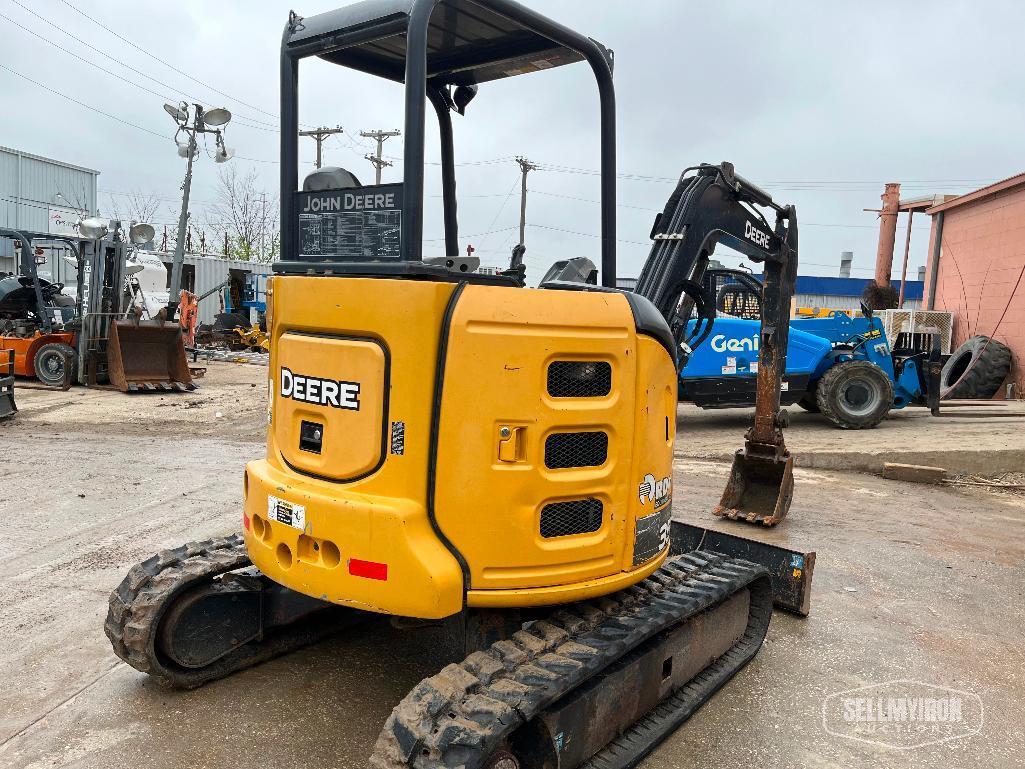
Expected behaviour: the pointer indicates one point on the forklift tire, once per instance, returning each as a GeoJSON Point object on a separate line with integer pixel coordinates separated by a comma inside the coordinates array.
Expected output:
{"type": "Point", "coordinates": [855, 394]}
{"type": "Point", "coordinates": [53, 362]}
{"type": "Point", "coordinates": [987, 366]}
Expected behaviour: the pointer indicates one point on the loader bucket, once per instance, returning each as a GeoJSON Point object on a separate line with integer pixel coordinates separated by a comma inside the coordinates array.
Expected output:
{"type": "Point", "coordinates": [759, 490]}
{"type": "Point", "coordinates": [7, 405]}
{"type": "Point", "coordinates": [150, 357]}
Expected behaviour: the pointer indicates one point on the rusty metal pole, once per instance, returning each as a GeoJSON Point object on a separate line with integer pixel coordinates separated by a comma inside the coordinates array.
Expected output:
{"type": "Point", "coordinates": [904, 268]}
{"type": "Point", "coordinates": [887, 233]}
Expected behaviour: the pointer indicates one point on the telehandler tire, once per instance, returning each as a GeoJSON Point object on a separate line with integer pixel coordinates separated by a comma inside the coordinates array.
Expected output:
{"type": "Point", "coordinates": [854, 394]}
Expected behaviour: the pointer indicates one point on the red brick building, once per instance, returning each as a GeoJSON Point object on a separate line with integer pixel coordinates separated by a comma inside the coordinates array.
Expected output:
{"type": "Point", "coordinates": [976, 267]}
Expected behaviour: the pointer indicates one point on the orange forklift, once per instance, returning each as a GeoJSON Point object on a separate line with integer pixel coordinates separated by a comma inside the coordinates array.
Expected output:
{"type": "Point", "coordinates": [90, 339]}
{"type": "Point", "coordinates": [33, 314]}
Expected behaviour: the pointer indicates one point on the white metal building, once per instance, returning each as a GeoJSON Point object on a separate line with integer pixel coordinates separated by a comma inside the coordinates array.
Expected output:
{"type": "Point", "coordinates": [201, 272]}
{"type": "Point", "coordinates": [42, 195]}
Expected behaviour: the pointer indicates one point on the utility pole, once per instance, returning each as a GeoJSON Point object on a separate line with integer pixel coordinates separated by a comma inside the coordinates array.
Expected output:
{"type": "Point", "coordinates": [319, 135]}
{"type": "Point", "coordinates": [378, 161]}
{"type": "Point", "coordinates": [525, 168]}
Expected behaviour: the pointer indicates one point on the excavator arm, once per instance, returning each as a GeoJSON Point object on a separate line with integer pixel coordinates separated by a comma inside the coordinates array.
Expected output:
{"type": "Point", "coordinates": [711, 206]}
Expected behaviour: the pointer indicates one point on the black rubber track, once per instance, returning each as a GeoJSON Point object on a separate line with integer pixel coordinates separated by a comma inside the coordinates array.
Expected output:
{"type": "Point", "coordinates": [150, 587]}
{"type": "Point", "coordinates": [990, 364]}
{"type": "Point", "coordinates": [462, 715]}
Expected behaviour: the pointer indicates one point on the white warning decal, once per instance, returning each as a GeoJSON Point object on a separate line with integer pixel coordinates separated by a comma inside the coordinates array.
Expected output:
{"type": "Point", "coordinates": [288, 513]}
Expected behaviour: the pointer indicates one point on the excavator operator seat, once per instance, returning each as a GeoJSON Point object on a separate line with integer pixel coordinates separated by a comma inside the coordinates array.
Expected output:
{"type": "Point", "coordinates": [330, 178]}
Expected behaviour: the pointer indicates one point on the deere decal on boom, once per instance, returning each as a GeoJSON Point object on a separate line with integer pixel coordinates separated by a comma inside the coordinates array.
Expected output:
{"type": "Point", "coordinates": [454, 448]}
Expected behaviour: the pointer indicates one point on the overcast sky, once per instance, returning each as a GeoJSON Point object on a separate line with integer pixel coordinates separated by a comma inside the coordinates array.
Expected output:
{"type": "Point", "coordinates": [820, 102]}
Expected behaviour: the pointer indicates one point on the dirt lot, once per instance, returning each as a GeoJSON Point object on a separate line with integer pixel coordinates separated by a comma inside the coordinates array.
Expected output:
{"type": "Point", "coordinates": [912, 582]}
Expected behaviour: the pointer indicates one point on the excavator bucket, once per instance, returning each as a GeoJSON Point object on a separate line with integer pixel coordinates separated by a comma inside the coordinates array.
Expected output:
{"type": "Point", "coordinates": [759, 490]}
{"type": "Point", "coordinates": [7, 404]}
{"type": "Point", "coordinates": [143, 356]}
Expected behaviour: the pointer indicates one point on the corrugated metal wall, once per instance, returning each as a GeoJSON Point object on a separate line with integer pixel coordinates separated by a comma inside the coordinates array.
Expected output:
{"type": "Point", "coordinates": [209, 271]}
{"type": "Point", "coordinates": [29, 185]}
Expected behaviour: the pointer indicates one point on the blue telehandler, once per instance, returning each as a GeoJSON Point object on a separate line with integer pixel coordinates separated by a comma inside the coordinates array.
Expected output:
{"type": "Point", "coordinates": [840, 365]}
{"type": "Point", "coordinates": [721, 320]}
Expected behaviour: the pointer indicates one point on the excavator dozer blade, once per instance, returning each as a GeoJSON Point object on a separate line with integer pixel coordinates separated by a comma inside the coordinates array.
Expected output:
{"type": "Point", "coordinates": [144, 357]}
{"type": "Point", "coordinates": [759, 490]}
{"type": "Point", "coordinates": [7, 405]}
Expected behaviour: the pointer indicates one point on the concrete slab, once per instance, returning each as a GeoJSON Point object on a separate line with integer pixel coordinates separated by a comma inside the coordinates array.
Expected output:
{"type": "Point", "coordinates": [985, 439]}
{"type": "Point", "coordinates": [912, 581]}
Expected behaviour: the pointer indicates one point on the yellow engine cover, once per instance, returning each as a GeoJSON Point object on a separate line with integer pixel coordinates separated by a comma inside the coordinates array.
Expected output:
{"type": "Point", "coordinates": [434, 445]}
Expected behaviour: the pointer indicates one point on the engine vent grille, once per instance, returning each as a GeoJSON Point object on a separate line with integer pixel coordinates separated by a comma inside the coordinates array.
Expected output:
{"type": "Point", "coordinates": [563, 450]}
{"type": "Point", "coordinates": [579, 379]}
{"type": "Point", "coordinates": [561, 519]}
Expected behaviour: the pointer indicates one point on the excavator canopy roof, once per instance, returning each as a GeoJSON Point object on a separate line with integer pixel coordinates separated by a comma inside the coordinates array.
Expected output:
{"type": "Point", "coordinates": [439, 50]}
{"type": "Point", "coordinates": [467, 42]}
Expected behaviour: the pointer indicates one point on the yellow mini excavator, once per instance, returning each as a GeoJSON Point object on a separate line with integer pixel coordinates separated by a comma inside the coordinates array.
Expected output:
{"type": "Point", "coordinates": [451, 447]}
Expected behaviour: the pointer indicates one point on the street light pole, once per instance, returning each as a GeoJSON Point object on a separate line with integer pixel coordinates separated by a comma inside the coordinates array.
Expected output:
{"type": "Point", "coordinates": [174, 292]}
{"type": "Point", "coordinates": [201, 122]}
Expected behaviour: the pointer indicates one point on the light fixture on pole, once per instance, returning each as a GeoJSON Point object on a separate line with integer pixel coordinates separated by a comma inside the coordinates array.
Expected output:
{"type": "Point", "coordinates": [93, 228]}
{"type": "Point", "coordinates": [141, 233]}
{"type": "Point", "coordinates": [178, 114]}
{"type": "Point", "coordinates": [223, 154]}
{"type": "Point", "coordinates": [203, 122]}
{"type": "Point", "coordinates": [216, 117]}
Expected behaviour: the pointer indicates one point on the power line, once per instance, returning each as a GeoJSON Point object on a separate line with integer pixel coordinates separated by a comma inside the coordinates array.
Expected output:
{"type": "Point", "coordinates": [108, 29]}
{"type": "Point", "coordinates": [476, 234]}
{"type": "Point", "coordinates": [121, 78]}
{"type": "Point", "coordinates": [651, 209]}
{"type": "Point", "coordinates": [83, 104]}
{"type": "Point", "coordinates": [501, 208]}
{"type": "Point", "coordinates": [586, 234]}
{"type": "Point", "coordinates": [782, 185]}
{"type": "Point", "coordinates": [118, 61]}
{"type": "Point", "coordinates": [55, 92]}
